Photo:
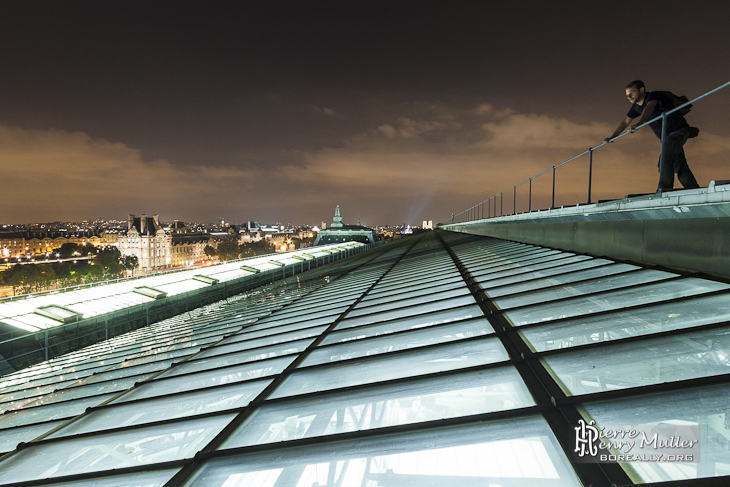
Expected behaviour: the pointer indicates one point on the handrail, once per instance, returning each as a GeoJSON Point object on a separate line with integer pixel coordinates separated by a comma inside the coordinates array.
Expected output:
{"type": "Point", "coordinates": [472, 212]}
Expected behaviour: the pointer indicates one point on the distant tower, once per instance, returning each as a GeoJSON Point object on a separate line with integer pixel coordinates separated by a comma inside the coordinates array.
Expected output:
{"type": "Point", "coordinates": [337, 220]}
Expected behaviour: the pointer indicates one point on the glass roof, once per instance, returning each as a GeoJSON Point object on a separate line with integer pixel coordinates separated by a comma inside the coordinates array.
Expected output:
{"type": "Point", "coordinates": [94, 301]}
{"type": "Point", "coordinates": [439, 359]}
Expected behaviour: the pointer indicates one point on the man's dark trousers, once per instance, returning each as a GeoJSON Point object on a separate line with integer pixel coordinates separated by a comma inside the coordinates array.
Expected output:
{"type": "Point", "coordinates": [675, 162]}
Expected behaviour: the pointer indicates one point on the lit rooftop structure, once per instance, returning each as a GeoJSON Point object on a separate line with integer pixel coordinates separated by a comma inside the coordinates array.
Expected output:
{"type": "Point", "coordinates": [440, 359]}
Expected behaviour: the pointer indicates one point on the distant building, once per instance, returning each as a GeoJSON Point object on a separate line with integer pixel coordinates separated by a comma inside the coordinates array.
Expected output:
{"type": "Point", "coordinates": [339, 232]}
{"type": "Point", "coordinates": [155, 248]}
{"type": "Point", "coordinates": [427, 225]}
{"type": "Point", "coordinates": [38, 243]}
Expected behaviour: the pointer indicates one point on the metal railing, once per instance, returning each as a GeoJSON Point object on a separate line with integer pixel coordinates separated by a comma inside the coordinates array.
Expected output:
{"type": "Point", "coordinates": [489, 207]}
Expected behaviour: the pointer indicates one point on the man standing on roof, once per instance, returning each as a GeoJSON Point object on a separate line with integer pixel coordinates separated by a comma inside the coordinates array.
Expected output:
{"type": "Point", "coordinates": [650, 105]}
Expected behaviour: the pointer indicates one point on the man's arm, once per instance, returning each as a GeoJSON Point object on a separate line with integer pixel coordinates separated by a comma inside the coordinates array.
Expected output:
{"type": "Point", "coordinates": [619, 129]}
{"type": "Point", "coordinates": [648, 110]}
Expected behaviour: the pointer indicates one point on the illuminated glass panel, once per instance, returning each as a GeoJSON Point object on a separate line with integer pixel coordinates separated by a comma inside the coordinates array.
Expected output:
{"type": "Point", "coordinates": [263, 367]}
{"type": "Point", "coordinates": [402, 341]}
{"type": "Point", "coordinates": [662, 291]}
{"type": "Point", "coordinates": [451, 356]}
{"type": "Point", "coordinates": [348, 330]}
{"type": "Point", "coordinates": [178, 406]}
{"type": "Point", "coordinates": [581, 288]}
{"type": "Point", "coordinates": [491, 453]}
{"type": "Point", "coordinates": [140, 479]}
{"type": "Point", "coordinates": [412, 402]}
{"type": "Point", "coordinates": [703, 407]}
{"type": "Point", "coordinates": [10, 438]}
{"type": "Point", "coordinates": [651, 361]}
{"type": "Point", "coordinates": [138, 446]}
{"type": "Point", "coordinates": [587, 269]}
{"type": "Point", "coordinates": [635, 322]}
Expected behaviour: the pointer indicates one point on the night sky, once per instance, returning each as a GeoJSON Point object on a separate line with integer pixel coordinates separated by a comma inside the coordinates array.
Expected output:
{"type": "Point", "coordinates": [398, 111]}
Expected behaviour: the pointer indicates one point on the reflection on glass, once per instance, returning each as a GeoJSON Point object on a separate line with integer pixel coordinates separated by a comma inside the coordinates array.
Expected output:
{"type": "Point", "coordinates": [397, 312]}
{"type": "Point", "coordinates": [652, 361]}
{"type": "Point", "coordinates": [581, 288]}
{"type": "Point", "coordinates": [522, 452]}
{"type": "Point", "coordinates": [10, 438]}
{"type": "Point", "coordinates": [635, 322]}
{"type": "Point", "coordinates": [402, 341]}
{"type": "Point", "coordinates": [263, 367]}
{"type": "Point", "coordinates": [413, 402]}
{"type": "Point", "coordinates": [245, 343]}
{"type": "Point", "coordinates": [164, 408]}
{"type": "Point", "coordinates": [257, 353]}
{"type": "Point", "coordinates": [346, 333]}
{"type": "Point", "coordinates": [408, 302]}
{"type": "Point", "coordinates": [650, 293]}
{"type": "Point", "coordinates": [59, 410]}
{"type": "Point", "coordinates": [563, 274]}
{"type": "Point", "coordinates": [141, 479]}
{"type": "Point", "coordinates": [408, 292]}
{"type": "Point", "coordinates": [451, 356]}
{"type": "Point", "coordinates": [706, 407]}
{"type": "Point", "coordinates": [96, 453]}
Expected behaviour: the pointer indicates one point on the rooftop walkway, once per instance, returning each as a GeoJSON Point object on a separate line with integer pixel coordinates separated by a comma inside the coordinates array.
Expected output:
{"type": "Point", "coordinates": [687, 230]}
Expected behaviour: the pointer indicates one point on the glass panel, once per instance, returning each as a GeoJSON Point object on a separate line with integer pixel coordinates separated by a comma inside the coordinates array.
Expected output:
{"type": "Point", "coordinates": [414, 280]}
{"type": "Point", "coordinates": [274, 337]}
{"type": "Point", "coordinates": [141, 479]}
{"type": "Point", "coordinates": [216, 377]}
{"type": "Point", "coordinates": [413, 402]}
{"type": "Point", "coordinates": [652, 361]}
{"type": "Point", "coordinates": [520, 452]}
{"type": "Point", "coordinates": [703, 407]}
{"type": "Point", "coordinates": [663, 291]}
{"type": "Point", "coordinates": [125, 371]}
{"type": "Point", "coordinates": [417, 362]}
{"type": "Point", "coordinates": [347, 332]}
{"type": "Point", "coordinates": [10, 438]}
{"type": "Point", "coordinates": [101, 452]}
{"type": "Point", "coordinates": [641, 321]}
{"type": "Point", "coordinates": [443, 281]}
{"type": "Point", "coordinates": [89, 390]}
{"type": "Point", "coordinates": [59, 410]}
{"type": "Point", "coordinates": [581, 288]}
{"type": "Point", "coordinates": [258, 353]}
{"type": "Point", "coordinates": [262, 330]}
{"type": "Point", "coordinates": [266, 366]}
{"type": "Point", "coordinates": [429, 298]}
{"type": "Point", "coordinates": [587, 269]}
{"type": "Point", "coordinates": [401, 341]}
{"type": "Point", "coordinates": [517, 262]}
{"type": "Point", "coordinates": [408, 292]}
{"type": "Point", "coordinates": [177, 406]}
{"type": "Point", "coordinates": [517, 273]}
{"type": "Point", "coordinates": [397, 311]}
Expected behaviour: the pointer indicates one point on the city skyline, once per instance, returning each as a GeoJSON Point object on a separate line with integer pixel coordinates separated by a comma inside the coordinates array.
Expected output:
{"type": "Point", "coordinates": [397, 112]}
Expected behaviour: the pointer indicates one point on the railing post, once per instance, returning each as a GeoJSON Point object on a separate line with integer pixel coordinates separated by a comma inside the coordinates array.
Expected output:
{"type": "Point", "coordinates": [661, 152]}
{"type": "Point", "coordinates": [590, 172]}
{"type": "Point", "coordinates": [552, 204]}
{"type": "Point", "coordinates": [529, 198]}
{"type": "Point", "coordinates": [501, 203]}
